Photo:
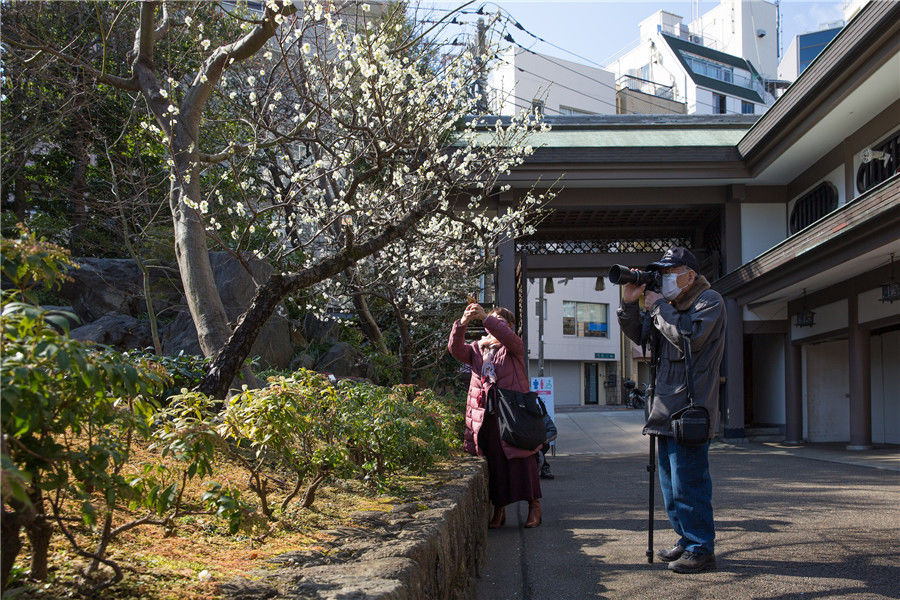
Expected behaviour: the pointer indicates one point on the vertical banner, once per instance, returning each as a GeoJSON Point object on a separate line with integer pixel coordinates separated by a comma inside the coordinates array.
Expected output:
{"type": "Point", "coordinates": [544, 388]}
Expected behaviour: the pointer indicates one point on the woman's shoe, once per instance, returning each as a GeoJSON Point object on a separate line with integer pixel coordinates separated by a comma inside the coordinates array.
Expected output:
{"type": "Point", "coordinates": [499, 518]}
{"type": "Point", "coordinates": [534, 514]}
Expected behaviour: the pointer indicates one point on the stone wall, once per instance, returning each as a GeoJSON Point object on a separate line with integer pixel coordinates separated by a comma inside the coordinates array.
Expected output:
{"type": "Point", "coordinates": [411, 552]}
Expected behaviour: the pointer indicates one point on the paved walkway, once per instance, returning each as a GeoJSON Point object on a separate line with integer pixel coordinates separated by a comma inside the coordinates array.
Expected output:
{"type": "Point", "coordinates": [803, 522]}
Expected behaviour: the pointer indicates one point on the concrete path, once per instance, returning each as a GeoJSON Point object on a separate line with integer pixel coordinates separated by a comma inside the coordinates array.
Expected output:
{"type": "Point", "coordinates": [788, 526]}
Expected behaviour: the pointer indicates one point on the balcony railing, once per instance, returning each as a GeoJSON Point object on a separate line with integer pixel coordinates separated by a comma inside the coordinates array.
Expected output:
{"type": "Point", "coordinates": [646, 86]}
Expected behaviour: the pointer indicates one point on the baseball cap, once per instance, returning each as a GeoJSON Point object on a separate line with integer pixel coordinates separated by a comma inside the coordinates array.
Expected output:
{"type": "Point", "coordinates": [674, 257]}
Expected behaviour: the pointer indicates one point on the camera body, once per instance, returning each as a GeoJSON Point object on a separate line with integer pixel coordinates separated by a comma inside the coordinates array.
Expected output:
{"type": "Point", "coordinates": [620, 275]}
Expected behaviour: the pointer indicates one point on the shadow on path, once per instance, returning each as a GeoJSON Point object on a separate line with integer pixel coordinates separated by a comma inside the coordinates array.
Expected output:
{"type": "Point", "coordinates": [787, 527]}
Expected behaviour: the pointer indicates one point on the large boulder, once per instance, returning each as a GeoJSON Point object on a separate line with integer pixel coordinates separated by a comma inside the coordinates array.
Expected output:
{"type": "Point", "coordinates": [115, 285]}
{"type": "Point", "coordinates": [236, 288]}
{"type": "Point", "coordinates": [343, 360]}
{"type": "Point", "coordinates": [121, 331]}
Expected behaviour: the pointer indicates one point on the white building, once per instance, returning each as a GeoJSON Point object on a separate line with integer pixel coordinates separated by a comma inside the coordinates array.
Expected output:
{"type": "Point", "coordinates": [524, 79]}
{"type": "Point", "coordinates": [719, 64]}
{"type": "Point", "coordinates": [582, 344]}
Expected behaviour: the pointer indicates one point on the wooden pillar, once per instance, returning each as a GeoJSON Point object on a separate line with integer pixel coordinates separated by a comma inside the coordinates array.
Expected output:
{"type": "Point", "coordinates": [733, 416]}
{"type": "Point", "coordinates": [506, 273]}
{"type": "Point", "coordinates": [793, 391]}
{"type": "Point", "coordinates": [734, 371]}
{"type": "Point", "coordinates": [860, 380]}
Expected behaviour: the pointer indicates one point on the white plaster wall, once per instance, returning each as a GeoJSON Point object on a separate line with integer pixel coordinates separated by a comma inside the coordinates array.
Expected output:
{"type": "Point", "coordinates": [768, 386]}
{"type": "Point", "coordinates": [828, 392]}
{"type": "Point", "coordinates": [886, 388]}
{"type": "Point", "coordinates": [787, 68]}
{"type": "Point", "coordinates": [568, 347]}
{"type": "Point", "coordinates": [828, 318]}
{"type": "Point", "coordinates": [762, 226]}
{"type": "Point", "coordinates": [871, 308]}
{"type": "Point", "coordinates": [561, 82]}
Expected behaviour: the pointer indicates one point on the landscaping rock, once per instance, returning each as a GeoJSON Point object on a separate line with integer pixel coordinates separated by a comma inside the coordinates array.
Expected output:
{"type": "Point", "coordinates": [316, 329]}
{"type": "Point", "coordinates": [120, 331]}
{"type": "Point", "coordinates": [68, 312]}
{"type": "Point", "coordinates": [236, 288]}
{"type": "Point", "coordinates": [343, 360]}
{"type": "Point", "coordinates": [115, 285]}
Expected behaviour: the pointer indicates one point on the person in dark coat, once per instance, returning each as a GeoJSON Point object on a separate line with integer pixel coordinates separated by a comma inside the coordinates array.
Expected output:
{"type": "Point", "coordinates": [497, 359]}
{"type": "Point", "coordinates": [683, 470]}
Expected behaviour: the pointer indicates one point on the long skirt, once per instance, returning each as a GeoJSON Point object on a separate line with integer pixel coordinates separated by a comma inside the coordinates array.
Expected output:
{"type": "Point", "coordinates": [509, 479]}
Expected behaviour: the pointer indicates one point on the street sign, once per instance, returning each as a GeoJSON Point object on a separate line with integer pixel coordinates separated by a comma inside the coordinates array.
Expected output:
{"type": "Point", "coordinates": [608, 355]}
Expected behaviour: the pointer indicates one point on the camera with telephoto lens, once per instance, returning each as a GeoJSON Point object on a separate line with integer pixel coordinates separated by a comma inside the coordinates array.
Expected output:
{"type": "Point", "coordinates": [620, 275]}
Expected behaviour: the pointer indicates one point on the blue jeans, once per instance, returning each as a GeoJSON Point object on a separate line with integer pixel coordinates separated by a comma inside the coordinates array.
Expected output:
{"type": "Point", "coordinates": [687, 493]}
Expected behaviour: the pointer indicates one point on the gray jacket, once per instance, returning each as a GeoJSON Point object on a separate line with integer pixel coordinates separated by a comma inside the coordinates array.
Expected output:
{"type": "Point", "coordinates": [707, 315]}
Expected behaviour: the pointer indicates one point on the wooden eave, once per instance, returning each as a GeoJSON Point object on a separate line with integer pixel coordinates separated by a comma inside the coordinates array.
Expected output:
{"type": "Point", "coordinates": [864, 45]}
{"type": "Point", "coordinates": [864, 224]}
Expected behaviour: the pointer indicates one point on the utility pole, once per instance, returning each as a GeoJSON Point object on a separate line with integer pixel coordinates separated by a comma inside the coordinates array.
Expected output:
{"type": "Point", "coordinates": [481, 100]}
{"type": "Point", "coordinates": [541, 327]}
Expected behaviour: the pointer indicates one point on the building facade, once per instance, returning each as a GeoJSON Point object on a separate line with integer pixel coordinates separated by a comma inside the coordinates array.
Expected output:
{"type": "Point", "coordinates": [523, 80]}
{"type": "Point", "coordinates": [719, 64]}
{"type": "Point", "coordinates": [794, 217]}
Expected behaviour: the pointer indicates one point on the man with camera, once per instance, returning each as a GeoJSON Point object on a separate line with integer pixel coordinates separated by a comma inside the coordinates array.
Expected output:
{"type": "Point", "coordinates": [679, 307]}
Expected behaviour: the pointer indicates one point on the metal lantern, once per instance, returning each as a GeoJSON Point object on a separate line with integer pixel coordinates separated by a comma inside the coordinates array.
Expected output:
{"type": "Point", "coordinates": [890, 291]}
{"type": "Point", "coordinates": [806, 317]}
{"type": "Point", "coordinates": [599, 285]}
{"type": "Point", "coordinates": [548, 286]}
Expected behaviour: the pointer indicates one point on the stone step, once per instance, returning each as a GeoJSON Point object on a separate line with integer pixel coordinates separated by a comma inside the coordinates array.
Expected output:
{"type": "Point", "coordinates": [766, 438]}
{"type": "Point", "coordinates": [749, 431]}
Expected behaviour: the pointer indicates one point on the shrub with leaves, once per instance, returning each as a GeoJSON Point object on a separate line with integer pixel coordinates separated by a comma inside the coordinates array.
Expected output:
{"type": "Point", "coordinates": [70, 413]}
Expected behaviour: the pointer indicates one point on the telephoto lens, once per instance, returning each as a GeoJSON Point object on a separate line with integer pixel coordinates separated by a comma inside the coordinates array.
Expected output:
{"type": "Point", "coordinates": [620, 275]}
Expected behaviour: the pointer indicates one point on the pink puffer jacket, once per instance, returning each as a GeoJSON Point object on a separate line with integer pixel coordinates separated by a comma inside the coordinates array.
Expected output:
{"type": "Point", "coordinates": [509, 366]}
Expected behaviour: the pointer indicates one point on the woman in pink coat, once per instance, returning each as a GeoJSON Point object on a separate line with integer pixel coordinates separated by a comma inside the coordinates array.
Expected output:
{"type": "Point", "coordinates": [498, 359]}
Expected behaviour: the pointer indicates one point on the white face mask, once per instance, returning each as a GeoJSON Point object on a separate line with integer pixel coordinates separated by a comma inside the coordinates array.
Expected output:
{"type": "Point", "coordinates": [670, 289]}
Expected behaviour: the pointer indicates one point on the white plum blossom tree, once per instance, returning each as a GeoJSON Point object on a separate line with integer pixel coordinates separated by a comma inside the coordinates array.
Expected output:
{"type": "Point", "coordinates": [320, 137]}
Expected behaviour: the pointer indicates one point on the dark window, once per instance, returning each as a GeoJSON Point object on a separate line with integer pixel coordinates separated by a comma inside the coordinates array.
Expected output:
{"type": "Point", "coordinates": [747, 108]}
{"type": "Point", "coordinates": [810, 45]}
{"type": "Point", "coordinates": [718, 104]}
{"type": "Point", "coordinates": [537, 106]}
{"type": "Point", "coordinates": [877, 170]}
{"type": "Point", "coordinates": [813, 205]}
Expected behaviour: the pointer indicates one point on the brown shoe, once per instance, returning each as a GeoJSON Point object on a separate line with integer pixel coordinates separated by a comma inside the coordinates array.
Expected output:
{"type": "Point", "coordinates": [534, 514]}
{"type": "Point", "coordinates": [498, 519]}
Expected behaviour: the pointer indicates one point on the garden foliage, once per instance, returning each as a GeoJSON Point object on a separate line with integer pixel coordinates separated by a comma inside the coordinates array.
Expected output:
{"type": "Point", "coordinates": [75, 415]}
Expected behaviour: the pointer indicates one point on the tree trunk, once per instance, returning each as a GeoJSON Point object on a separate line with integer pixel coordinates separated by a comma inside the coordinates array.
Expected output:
{"type": "Point", "coordinates": [38, 530]}
{"type": "Point", "coordinates": [367, 323]}
{"type": "Point", "coordinates": [229, 359]}
{"type": "Point", "coordinates": [10, 544]}
{"type": "Point", "coordinates": [405, 342]}
{"type": "Point", "coordinates": [204, 302]}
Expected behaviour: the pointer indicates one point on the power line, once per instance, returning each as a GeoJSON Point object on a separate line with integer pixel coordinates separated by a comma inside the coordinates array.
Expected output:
{"type": "Point", "coordinates": [511, 20]}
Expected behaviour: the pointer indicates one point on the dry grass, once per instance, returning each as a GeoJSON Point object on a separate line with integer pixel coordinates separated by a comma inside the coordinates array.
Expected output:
{"type": "Point", "coordinates": [166, 565]}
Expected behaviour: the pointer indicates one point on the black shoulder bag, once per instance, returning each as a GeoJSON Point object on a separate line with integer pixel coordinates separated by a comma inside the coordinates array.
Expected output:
{"type": "Point", "coordinates": [690, 425]}
{"type": "Point", "coordinates": [520, 418]}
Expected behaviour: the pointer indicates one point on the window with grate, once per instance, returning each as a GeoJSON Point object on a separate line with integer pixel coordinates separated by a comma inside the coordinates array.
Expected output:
{"type": "Point", "coordinates": [875, 171]}
{"type": "Point", "coordinates": [813, 205]}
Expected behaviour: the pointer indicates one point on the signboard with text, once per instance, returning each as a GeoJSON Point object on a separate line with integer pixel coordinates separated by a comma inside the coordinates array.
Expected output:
{"type": "Point", "coordinates": [544, 388]}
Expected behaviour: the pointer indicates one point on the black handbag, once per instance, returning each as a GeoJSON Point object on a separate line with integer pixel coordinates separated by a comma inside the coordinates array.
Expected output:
{"type": "Point", "coordinates": [690, 425]}
{"type": "Point", "coordinates": [520, 418]}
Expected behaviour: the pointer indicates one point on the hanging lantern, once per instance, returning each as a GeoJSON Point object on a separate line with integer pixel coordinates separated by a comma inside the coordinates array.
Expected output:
{"type": "Point", "coordinates": [599, 285]}
{"type": "Point", "coordinates": [806, 317]}
{"type": "Point", "coordinates": [548, 286]}
{"type": "Point", "coordinates": [890, 291]}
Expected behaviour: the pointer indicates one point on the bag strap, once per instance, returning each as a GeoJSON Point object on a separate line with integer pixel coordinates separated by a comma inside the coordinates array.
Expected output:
{"type": "Point", "coordinates": [684, 328]}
